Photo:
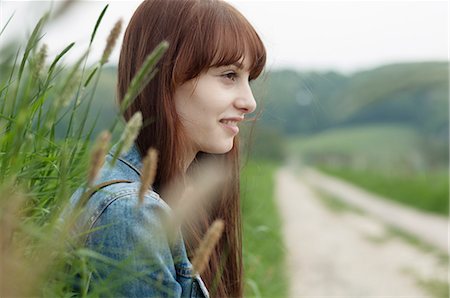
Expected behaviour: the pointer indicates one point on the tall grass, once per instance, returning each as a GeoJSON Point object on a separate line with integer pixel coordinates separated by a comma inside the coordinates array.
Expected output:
{"type": "Point", "coordinates": [39, 170]}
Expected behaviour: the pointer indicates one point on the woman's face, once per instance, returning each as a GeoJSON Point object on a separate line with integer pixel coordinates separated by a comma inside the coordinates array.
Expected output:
{"type": "Point", "coordinates": [211, 106]}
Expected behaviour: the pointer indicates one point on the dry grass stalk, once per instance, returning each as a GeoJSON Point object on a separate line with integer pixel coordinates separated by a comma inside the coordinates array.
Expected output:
{"type": "Point", "coordinates": [144, 75]}
{"type": "Point", "coordinates": [203, 252]}
{"type": "Point", "coordinates": [150, 164]}
{"type": "Point", "coordinates": [128, 136]}
{"type": "Point", "coordinates": [111, 41]}
{"type": "Point", "coordinates": [40, 61]}
{"type": "Point", "coordinates": [18, 271]}
{"type": "Point", "coordinates": [30, 254]}
{"type": "Point", "coordinates": [63, 8]}
{"type": "Point", "coordinates": [199, 193]}
{"type": "Point", "coordinates": [98, 156]}
{"type": "Point", "coordinates": [68, 91]}
{"type": "Point", "coordinates": [131, 131]}
{"type": "Point", "coordinates": [188, 197]}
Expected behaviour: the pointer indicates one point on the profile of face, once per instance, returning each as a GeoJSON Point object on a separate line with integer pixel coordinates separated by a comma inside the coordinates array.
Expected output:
{"type": "Point", "coordinates": [212, 105]}
{"type": "Point", "coordinates": [201, 90]}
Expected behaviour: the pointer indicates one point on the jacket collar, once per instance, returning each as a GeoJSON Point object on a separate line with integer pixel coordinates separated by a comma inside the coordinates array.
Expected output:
{"type": "Point", "coordinates": [132, 157]}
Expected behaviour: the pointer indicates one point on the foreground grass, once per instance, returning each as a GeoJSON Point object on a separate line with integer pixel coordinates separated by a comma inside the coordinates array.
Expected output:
{"type": "Point", "coordinates": [263, 247]}
{"type": "Point", "coordinates": [428, 192]}
{"type": "Point", "coordinates": [47, 119]}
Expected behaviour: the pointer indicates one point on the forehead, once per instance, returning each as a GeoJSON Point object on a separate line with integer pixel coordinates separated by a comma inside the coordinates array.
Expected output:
{"type": "Point", "coordinates": [241, 64]}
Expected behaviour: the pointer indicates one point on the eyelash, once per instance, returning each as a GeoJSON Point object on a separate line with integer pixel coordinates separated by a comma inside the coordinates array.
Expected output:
{"type": "Point", "coordinates": [231, 76]}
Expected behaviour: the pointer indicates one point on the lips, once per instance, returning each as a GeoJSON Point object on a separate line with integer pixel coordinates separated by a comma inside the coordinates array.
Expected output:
{"type": "Point", "coordinates": [232, 119]}
{"type": "Point", "coordinates": [230, 124]}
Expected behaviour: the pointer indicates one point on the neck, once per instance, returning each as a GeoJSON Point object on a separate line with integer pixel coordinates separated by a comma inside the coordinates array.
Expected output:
{"type": "Point", "coordinates": [187, 163]}
{"type": "Point", "coordinates": [189, 156]}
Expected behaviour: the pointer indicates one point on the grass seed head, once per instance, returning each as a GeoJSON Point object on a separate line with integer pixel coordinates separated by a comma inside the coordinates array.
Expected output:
{"type": "Point", "coordinates": [111, 41]}
{"type": "Point", "coordinates": [131, 131]}
{"type": "Point", "coordinates": [64, 8]}
{"type": "Point", "coordinates": [98, 156]}
{"type": "Point", "coordinates": [150, 164]}
{"type": "Point", "coordinates": [144, 75]}
{"type": "Point", "coordinates": [40, 61]}
{"type": "Point", "coordinates": [206, 247]}
{"type": "Point", "coordinates": [68, 90]}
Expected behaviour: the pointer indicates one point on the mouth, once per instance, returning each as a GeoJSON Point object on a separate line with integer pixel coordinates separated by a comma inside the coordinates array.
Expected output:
{"type": "Point", "coordinates": [229, 122]}
{"type": "Point", "coordinates": [231, 125]}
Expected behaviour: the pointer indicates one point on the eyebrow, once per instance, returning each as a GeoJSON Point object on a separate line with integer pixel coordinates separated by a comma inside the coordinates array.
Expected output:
{"type": "Point", "coordinates": [237, 64]}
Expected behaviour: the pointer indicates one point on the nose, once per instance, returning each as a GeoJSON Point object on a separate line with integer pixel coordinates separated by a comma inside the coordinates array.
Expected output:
{"type": "Point", "coordinates": [245, 101]}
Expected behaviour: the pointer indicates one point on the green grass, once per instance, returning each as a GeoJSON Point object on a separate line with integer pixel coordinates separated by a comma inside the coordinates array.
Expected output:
{"type": "Point", "coordinates": [263, 244]}
{"type": "Point", "coordinates": [392, 231]}
{"type": "Point", "coordinates": [370, 139]}
{"type": "Point", "coordinates": [395, 161]}
{"type": "Point", "coordinates": [47, 120]}
{"type": "Point", "coordinates": [335, 204]}
{"type": "Point", "coordinates": [436, 288]}
{"type": "Point", "coordinates": [385, 147]}
{"type": "Point", "coordinates": [428, 192]}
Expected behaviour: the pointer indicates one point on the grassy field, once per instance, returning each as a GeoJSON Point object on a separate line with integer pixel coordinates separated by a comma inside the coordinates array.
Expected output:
{"type": "Point", "coordinates": [392, 160]}
{"type": "Point", "coordinates": [428, 192]}
{"type": "Point", "coordinates": [385, 147]}
{"type": "Point", "coordinates": [263, 247]}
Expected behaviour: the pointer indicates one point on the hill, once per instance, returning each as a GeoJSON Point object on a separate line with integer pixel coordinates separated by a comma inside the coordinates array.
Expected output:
{"type": "Point", "coordinates": [413, 94]}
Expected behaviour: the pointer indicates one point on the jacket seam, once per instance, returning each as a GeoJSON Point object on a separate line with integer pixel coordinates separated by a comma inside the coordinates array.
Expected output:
{"type": "Point", "coordinates": [111, 199]}
{"type": "Point", "coordinates": [185, 271]}
{"type": "Point", "coordinates": [128, 164]}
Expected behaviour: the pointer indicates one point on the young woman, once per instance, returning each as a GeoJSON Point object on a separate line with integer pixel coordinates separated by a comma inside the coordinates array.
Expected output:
{"type": "Point", "coordinates": [191, 110]}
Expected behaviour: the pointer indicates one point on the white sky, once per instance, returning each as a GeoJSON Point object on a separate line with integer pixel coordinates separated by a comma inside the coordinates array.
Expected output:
{"type": "Point", "coordinates": [322, 35]}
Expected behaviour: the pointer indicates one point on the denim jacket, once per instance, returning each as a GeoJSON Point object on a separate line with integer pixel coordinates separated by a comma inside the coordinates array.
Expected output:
{"type": "Point", "coordinates": [133, 238]}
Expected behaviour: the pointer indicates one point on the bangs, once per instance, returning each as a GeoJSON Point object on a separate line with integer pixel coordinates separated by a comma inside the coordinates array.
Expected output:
{"type": "Point", "coordinates": [233, 39]}
{"type": "Point", "coordinates": [219, 35]}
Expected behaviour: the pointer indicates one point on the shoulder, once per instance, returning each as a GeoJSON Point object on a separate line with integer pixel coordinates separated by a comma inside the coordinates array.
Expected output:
{"type": "Point", "coordinates": [132, 237]}
{"type": "Point", "coordinates": [121, 220]}
{"type": "Point", "coordinates": [120, 202]}
{"type": "Point", "coordinates": [117, 203]}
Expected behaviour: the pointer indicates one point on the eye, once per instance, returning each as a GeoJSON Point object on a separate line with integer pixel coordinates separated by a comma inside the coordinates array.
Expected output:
{"type": "Point", "coordinates": [230, 75]}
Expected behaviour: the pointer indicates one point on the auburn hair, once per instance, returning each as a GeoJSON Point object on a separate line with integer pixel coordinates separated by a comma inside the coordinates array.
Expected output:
{"type": "Point", "coordinates": [201, 34]}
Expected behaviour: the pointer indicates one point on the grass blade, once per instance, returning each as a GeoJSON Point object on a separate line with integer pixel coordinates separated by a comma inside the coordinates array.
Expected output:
{"type": "Point", "coordinates": [97, 24]}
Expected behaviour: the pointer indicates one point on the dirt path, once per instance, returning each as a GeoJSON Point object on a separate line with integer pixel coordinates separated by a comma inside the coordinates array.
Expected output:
{"type": "Point", "coordinates": [427, 227]}
{"type": "Point", "coordinates": [347, 254]}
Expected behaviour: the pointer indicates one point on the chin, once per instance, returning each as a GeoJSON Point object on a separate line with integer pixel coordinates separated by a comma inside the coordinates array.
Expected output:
{"type": "Point", "coordinates": [222, 148]}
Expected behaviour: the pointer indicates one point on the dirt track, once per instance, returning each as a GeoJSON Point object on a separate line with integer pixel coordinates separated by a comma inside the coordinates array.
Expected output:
{"type": "Point", "coordinates": [347, 254]}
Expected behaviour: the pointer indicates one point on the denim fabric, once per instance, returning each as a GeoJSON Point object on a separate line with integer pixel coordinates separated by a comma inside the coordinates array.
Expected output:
{"type": "Point", "coordinates": [140, 259]}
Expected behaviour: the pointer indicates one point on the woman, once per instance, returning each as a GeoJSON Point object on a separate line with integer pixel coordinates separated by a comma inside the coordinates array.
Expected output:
{"type": "Point", "coordinates": [191, 109]}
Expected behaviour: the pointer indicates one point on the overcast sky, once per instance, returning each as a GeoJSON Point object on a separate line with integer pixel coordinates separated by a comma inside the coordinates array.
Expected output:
{"type": "Point", "coordinates": [307, 35]}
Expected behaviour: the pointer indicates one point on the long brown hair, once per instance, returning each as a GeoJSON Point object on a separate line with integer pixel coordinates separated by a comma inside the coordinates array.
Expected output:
{"type": "Point", "coordinates": [201, 34]}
